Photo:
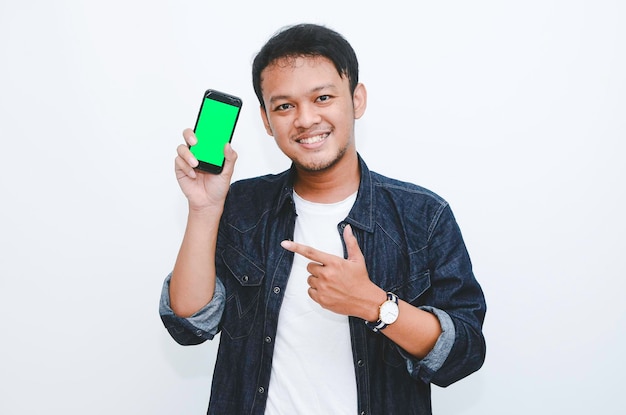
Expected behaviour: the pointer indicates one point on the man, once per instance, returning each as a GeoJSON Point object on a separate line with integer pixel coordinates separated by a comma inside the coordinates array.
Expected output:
{"type": "Point", "coordinates": [336, 290]}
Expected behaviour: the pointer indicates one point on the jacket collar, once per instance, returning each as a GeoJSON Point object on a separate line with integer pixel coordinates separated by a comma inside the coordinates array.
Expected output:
{"type": "Point", "coordinates": [362, 213]}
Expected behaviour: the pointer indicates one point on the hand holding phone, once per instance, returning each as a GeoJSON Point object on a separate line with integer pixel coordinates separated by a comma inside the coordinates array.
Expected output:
{"type": "Point", "coordinates": [214, 128]}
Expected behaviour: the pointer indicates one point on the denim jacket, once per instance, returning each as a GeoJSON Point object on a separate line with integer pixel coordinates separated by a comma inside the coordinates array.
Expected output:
{"type": "Point", "coordinates": [412, 247]}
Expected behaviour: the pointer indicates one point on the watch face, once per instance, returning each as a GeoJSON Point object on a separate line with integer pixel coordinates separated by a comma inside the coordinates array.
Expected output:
{"type": "Point", "coordinates": [388, 312]}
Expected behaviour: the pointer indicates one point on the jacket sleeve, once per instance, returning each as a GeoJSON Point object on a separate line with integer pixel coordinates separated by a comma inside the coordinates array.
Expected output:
{"type": "Point", "coordinates": [201, 326]}
{"type": "Point", "coordinates": [438, 355]}
{"type": "Point", "coordinates": [456, 293]}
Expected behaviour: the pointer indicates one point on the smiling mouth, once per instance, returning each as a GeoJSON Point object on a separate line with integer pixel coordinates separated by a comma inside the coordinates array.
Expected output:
{"type": "Point", "coordinates": [313, 139]}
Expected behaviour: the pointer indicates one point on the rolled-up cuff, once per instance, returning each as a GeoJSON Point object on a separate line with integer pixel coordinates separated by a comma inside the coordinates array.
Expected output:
{"type": "Point", "coordinates": [203, 325]}
{"type": "Point", "coordinates": [427, 366]}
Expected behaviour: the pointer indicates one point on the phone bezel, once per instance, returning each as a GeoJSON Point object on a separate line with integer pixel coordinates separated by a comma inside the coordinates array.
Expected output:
{"type": "Point", "coordinates": [226, 99]}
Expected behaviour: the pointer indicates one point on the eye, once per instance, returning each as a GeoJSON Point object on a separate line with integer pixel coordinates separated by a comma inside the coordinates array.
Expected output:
{"type": "Point", "coordinates": [282, 107]}
{"type": "Point", "coordinates": [323, 98]}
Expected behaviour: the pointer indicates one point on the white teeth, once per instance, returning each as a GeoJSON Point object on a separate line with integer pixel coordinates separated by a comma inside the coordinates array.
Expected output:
{"type": "Point", "coordinates": [313, 140]}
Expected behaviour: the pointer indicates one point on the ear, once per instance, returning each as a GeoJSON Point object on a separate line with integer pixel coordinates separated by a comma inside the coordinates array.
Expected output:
{"type": "Point", "coordinates": [266, 121]}
{"type": "Point", "coordinates": [359, 100]}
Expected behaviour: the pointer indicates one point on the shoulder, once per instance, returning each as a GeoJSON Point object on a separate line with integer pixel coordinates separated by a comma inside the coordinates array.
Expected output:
{"type": "Point", "coordinates": [403, 191]}
{"type": "Point", "coordinates": [404, 208]}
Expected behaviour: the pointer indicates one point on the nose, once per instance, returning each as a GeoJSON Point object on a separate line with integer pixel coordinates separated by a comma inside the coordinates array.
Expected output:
{"type": "Point", "coordinates": [307, 116]}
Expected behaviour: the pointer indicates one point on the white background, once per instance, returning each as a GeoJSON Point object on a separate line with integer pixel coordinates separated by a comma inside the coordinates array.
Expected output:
{"type": "Point", "coordinates": [515, 112]}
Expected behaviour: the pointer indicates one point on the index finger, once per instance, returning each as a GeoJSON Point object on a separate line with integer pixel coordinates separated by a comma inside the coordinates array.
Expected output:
{"type": "Point", "coordinates": [190, 137]}
{"type": "Point", "coordinates": [307, 252]}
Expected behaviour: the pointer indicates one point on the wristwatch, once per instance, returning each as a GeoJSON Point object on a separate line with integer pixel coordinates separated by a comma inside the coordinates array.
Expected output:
{"type": "Point", "coordinates": [387, 314]}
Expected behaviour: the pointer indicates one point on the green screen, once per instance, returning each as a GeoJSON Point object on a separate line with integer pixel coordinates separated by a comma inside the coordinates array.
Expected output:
{"type": "Point", "coordinates": [214, 128]}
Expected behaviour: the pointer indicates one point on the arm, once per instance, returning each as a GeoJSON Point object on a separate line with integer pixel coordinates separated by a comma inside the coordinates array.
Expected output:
{"type": "Point", "coordinates": [456, 299]}
{"type": "Point", "coordinates": [192, 284]}
{"type": "Point", "coordinates": [343, 286]}
{"type": "Point", "coordinates": [455, 290]}
{"type": "Point", "coordinates": [446, 332]}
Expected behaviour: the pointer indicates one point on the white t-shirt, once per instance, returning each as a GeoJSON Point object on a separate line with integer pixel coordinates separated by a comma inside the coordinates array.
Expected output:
{"type": "Point", "coordinates": [312, 368]}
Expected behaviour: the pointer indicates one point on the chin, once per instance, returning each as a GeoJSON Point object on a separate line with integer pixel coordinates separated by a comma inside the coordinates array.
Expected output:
{"type": "Point", "coordinates": [319, 165]}
{"type": "Point", "coordinates": [314, 168]}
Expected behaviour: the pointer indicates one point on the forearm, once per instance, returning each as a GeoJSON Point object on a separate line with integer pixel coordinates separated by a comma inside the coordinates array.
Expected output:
{"type": "Point", "coordinates": [416, 331]}
{"type": "Point", "coordinates": [193, 278]}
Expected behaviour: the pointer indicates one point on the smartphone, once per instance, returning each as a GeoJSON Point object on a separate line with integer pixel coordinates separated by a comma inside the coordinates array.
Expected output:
{"type": "Point", "coordinates": [214, 128]}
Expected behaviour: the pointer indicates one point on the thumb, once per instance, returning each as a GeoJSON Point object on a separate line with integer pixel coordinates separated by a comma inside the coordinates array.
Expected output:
{"type": "Point", "coordinates": [230, 157]}
{"type": "Point", "coordinates": [352, 245]}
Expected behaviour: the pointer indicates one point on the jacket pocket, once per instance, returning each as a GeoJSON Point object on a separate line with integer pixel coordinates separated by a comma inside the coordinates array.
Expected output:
{"type": "Point", "coordinates": [243, 292]}
{"type": "Point", "coordinates": [415, 286]}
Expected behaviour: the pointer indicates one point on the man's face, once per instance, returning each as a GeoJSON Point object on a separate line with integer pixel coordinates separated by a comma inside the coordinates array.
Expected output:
{"type": "Point", "coordinates": [310, 112]}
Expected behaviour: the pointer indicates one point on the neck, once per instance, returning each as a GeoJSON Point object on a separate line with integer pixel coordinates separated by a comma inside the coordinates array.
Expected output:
{"type": "Point", "coordinates": [330, 185]}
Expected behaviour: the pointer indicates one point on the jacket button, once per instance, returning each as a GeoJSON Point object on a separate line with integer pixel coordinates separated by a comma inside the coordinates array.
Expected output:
{"type": "Point", "coordinates": [268, 339]}
{"type": "Point", "coordinates": [360, 363]}
{"type": "Point", "coordinates": [276, 290]}
{"type": "Point", "coordinates": [244, 278]}
{"type": "Point", "coordinates": [261, 389]}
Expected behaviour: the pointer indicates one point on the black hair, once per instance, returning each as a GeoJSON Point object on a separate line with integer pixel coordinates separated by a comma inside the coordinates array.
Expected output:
{"type": "Point", "coordinates": [306, 40]}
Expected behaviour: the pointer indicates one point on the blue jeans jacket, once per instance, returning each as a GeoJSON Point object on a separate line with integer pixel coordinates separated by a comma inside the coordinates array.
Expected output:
{"type": "Point", "coordinates": [412, 247]}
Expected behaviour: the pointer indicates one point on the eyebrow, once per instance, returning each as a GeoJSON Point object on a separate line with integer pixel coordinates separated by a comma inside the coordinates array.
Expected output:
{"type": "Point", "coordinates": [316, 89]}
